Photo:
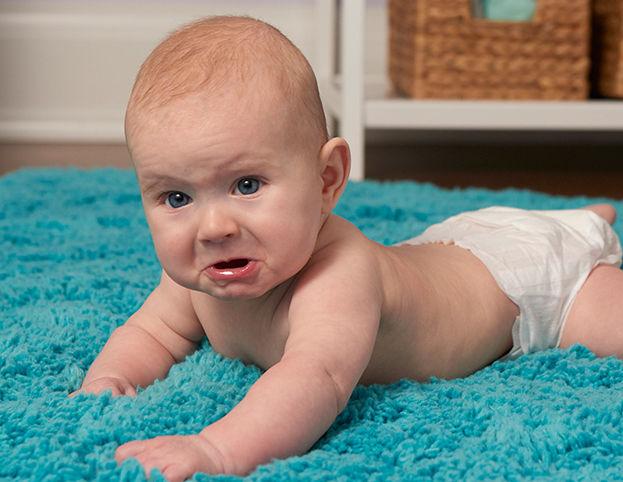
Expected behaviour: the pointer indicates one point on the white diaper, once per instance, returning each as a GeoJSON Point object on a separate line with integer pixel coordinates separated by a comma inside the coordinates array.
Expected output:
{"type": "Point", "coordinates": [540, 259]}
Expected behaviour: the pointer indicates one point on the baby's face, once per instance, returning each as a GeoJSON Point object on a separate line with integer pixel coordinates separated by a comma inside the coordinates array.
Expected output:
{"type": "Point", "coordinates": [233, 204]}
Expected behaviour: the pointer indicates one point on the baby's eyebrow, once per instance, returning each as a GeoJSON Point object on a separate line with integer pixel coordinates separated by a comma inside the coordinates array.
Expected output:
{"type": "Point", "coordinates": [152, 181]}
{"type": "Point", "coordinates": [237, 165]}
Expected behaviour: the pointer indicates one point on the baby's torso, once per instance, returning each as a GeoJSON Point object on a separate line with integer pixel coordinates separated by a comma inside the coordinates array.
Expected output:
{"type": "Point", "coordinates": [442, 314]}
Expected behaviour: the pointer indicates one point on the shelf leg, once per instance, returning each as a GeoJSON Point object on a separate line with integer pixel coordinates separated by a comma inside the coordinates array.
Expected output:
{"type": "Point", "coordinates": [326, 51]}
{"type": "Point", "coordinates": [326, 22]}
{"type": "Point", "coordinates": [352, 126]}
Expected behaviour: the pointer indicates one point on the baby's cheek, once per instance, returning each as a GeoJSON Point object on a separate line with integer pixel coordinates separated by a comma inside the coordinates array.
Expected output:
{"type": "Point", "coordinates": [299, 245]}
{"type": "Point", "coordinates": [164, 248]}
{"type": "Point", "coordinates": [172, 254]}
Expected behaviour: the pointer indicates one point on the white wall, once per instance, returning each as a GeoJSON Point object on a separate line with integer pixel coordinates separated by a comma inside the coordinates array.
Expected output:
{"type": "Point", "coordinates": [67, 66]}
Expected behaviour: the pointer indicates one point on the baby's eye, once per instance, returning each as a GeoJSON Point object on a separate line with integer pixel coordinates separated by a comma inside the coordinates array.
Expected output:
{"type": "Point", "coordinates": [177, 199]}
{"type": "Point", "coordinates": [248, 185]}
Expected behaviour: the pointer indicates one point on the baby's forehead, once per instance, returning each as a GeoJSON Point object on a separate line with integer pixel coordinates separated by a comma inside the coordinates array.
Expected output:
{"type": "Point", "coordinates": [261, 113]}
{"type": "Point", "coordinates": [238, 100]}
{"type": "Point", "coordinates": [188, 129]}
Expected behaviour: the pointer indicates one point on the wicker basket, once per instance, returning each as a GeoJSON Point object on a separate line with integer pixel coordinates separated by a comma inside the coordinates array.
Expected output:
{"type": "Point", "coordinates": [608, 47]}
{"type": "Point", "coordinates": [437, 50]}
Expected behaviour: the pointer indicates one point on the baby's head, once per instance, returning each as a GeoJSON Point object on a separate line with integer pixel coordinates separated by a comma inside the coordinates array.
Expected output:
{"type": "Point", "coordinates": [228, 136]}
{"type": "Point", "coordinates": [227, 61]}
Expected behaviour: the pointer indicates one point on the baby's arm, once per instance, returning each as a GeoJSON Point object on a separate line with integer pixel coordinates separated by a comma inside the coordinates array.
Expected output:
{"type": "Point", "coordinates": [334, 317]}
{"type": "Point", "coordinates": [162, 332]}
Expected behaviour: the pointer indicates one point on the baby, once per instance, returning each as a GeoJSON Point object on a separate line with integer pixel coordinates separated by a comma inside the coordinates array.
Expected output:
{"type": "Point", "coordinates": [238, 181]}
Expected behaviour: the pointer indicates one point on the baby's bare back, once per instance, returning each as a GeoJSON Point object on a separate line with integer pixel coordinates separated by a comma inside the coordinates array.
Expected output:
{"type": "Point", "coordinates": [442, 313]}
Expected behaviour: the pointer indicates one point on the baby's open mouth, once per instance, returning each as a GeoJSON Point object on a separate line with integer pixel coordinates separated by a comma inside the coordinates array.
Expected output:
{"type": "Point", "coordinates": [232, 264]}
{"type": "Point", "coordinates": [232, 269]}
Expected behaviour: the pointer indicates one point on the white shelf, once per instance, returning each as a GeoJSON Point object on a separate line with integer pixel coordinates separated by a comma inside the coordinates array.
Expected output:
{"type": "Point", "coordinates": [365, 104]}
{"type": "Point", "coordinates": [382, 111]}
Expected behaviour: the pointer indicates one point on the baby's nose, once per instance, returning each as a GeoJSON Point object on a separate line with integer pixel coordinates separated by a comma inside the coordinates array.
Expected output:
{"type": "Point", "coordinates": [216, 225]}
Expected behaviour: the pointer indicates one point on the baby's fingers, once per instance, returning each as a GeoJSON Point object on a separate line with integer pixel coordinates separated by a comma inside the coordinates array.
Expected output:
{"type": "Point", "coordinates": [177, 457]}
{"type": "Point", "coordinates": [74, 393]}
{"type": "Point", "coordinates": [117, 387]}
{"type": "Point", "coordinates": [128, 389]}
{"type": "Point", "coordinates": [151, 454]}
{"type": "Point", "coordinates": [130, 449]}
{"type": "Point", "coordinates": [94, 391]}
{"type": "Point", "coordinates": [137, 447]}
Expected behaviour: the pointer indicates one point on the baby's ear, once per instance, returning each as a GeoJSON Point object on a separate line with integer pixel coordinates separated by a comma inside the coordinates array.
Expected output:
{"type": "Point", "coordinates": [335, 168]}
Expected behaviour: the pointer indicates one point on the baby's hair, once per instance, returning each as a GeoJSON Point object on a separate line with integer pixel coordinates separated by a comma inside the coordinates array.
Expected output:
{"type": "Point", "coordinates": [225, 52]}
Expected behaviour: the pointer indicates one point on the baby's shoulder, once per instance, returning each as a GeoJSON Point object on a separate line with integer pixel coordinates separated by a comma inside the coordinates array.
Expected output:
{"type": "Point", "coordinates": [344, 259]}
{"type": "Point", "coordinates": [340, 240]}
{"type": "Point", "coordinates": [340, 286]}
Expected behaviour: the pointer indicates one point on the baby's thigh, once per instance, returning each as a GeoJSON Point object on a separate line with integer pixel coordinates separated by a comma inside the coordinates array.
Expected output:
{"type": "Point", "coordinates": [595, 319]}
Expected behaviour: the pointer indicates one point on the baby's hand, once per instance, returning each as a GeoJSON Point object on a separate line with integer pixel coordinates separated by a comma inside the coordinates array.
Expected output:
{"type": "Point", "coordinates": [177, 457]}
{"type": "Point", "coordinates": [118, 386]}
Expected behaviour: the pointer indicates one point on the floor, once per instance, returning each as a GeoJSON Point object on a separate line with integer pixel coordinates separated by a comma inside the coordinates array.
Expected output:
{"type": "Point", "coordinates": [572, 170]}
{"type": "Point", "coordinates": [591, 170]}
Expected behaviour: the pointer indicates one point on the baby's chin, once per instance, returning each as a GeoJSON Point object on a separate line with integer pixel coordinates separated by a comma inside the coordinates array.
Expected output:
{"type": "Point", "coordinates": [232, 294]}
{"type": "Point", "coordinates": [230, 291]}
{"type": "Point", "coordinates": [227, 290]}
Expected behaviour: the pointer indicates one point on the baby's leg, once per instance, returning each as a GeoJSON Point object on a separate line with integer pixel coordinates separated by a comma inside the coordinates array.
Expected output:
{"type": "Point", "coordinates": [606, 211]}
{"type": "Point", "coordinates": [596, 316]}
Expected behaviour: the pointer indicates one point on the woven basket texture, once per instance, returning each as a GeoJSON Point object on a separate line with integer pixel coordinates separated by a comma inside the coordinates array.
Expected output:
{"type": "Point", "coordinates": [439, 50]}
{"type": "Point", "coordinates": [608, 47]}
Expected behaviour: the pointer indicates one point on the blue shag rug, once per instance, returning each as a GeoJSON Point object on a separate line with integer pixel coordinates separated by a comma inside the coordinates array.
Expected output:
{"type": "Point", "coordinates": [76, 260]}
